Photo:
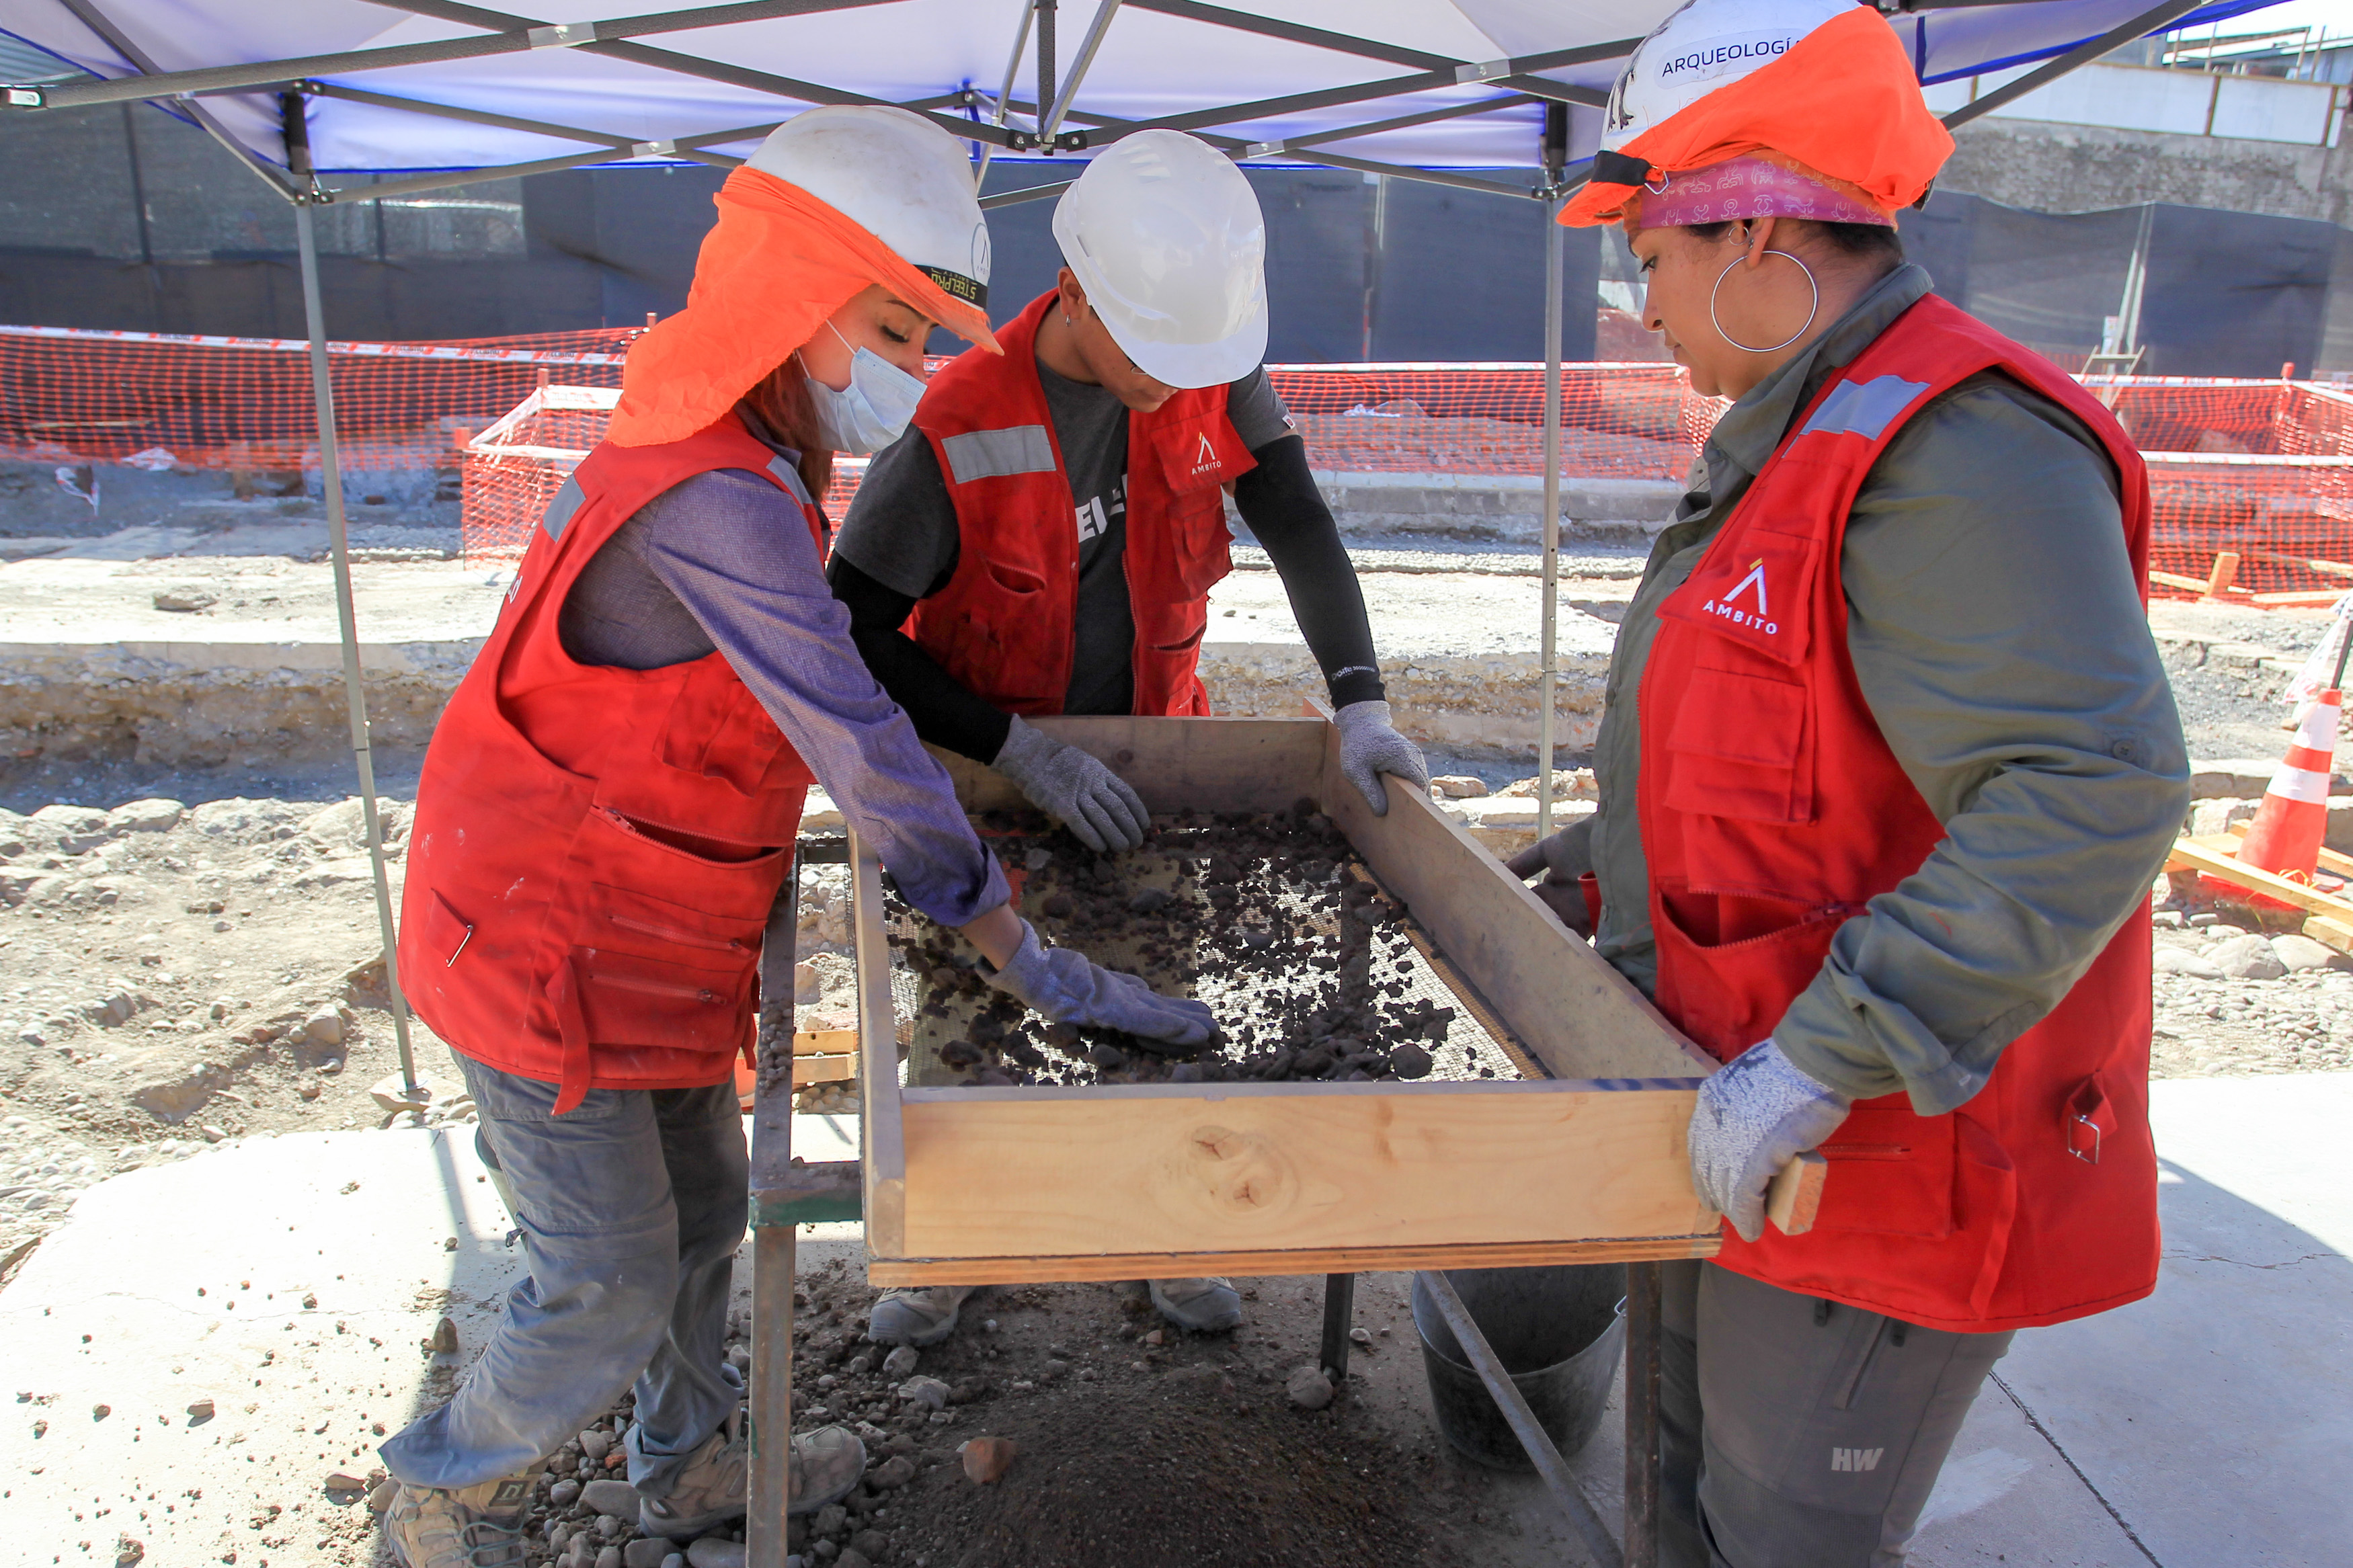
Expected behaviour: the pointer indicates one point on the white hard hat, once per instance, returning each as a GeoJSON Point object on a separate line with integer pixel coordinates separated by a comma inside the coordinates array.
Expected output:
{"type": "Point", "coordinates": [903, 179]}
{"type": "Point", "coordinates": [1165, 237]}
{"type": "Point", "coordinates": [1700, 48]}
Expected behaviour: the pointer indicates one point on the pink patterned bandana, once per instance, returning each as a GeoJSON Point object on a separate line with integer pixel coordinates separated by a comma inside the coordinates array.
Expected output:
{"type": "Point", "coordinates": [1750, 187]}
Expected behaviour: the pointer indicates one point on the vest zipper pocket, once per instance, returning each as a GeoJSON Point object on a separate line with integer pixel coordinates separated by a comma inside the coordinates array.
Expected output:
{"type": "Point", "coordinates": [674, 933]}
{"type": "Point", "coordinates": [657, 987]}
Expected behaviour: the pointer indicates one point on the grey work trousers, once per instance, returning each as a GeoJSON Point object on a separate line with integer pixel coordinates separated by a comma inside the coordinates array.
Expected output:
{"type": "Point", "coordinates": [1796, 1433]}
{"type": "Point", "coordinates": [632, 1205]}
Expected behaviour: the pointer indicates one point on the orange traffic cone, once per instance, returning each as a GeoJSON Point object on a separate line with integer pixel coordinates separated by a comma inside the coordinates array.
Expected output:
{"type": "Point", "coordinates": [2284, 838]}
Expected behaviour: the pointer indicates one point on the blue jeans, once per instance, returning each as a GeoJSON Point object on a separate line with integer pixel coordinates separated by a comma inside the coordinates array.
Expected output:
{"type": "Point", "coordinates": [631, 1205]}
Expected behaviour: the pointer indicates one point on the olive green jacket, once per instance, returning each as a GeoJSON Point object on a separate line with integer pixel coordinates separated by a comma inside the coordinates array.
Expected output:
{"type": "Point", "coordinates": [1998, 637]}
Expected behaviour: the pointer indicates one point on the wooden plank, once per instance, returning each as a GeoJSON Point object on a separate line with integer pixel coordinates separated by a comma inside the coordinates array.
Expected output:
{"type": "Point", "coordinates": [2331, 860]}
{"type": "Point", "coordinates": [2214, 857]}
{"type": "Point", "coordinates": [1206, 764]}
{"type": "Point", "coordinates": [2330, 568]}
{"type": "Point", "coordinates": [1288, 1167]}
{"type": "Point", "coordinates": [1580, 1017]}
{"type": "Point", "coordinates": [1796, 1196]}
{"type": "Point", "coordinates": [824, 1042]}
{"type": "Point", "coordinates": [882, 1147]}
{"type": "Point", "coordinates": [2331, 931]}
{"type": "Point", "coordinates": [2176, 580]}
{"type": "Point", "coordinates": [1117, 1266]}
{"type": "Point", "coordinates": [823, 1069]}
{"type": "Point", "coordinates": [2226, 571]}
{"type": "Point", "coordinates": [2300, 596]}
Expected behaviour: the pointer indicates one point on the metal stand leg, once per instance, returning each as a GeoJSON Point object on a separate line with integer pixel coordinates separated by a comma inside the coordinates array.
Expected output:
{"type": "Point", "coordinates": [1550, 1468]}
{"type": "Point", "coordinates": [1641, 1414]}
{"type": "Point", "coordinates": [768, 1487]}
{"type": "Point", "coordinates": [1339, 1313]}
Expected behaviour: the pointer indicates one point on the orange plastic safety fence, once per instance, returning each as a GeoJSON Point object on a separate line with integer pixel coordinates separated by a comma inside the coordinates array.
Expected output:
{"type": "Point", "coordinates": [2253, 479]}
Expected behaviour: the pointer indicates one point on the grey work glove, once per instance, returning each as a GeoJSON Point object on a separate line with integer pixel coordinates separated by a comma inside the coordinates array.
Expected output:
{"type": "Point", "coordinates": [1064, 986]}
{"type": "Point", "coordinates": [1564, 859]}
{"type": "Point", "coordinates": [1754, 1115]}
{"type": "Point", "coordinates": [1370, 746]}
{"type": "Point", "coordinates": [1080, 792]}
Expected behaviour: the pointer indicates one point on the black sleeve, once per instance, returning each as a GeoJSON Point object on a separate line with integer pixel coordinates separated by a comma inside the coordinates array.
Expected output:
{"type": "Point", "coordinates": [944, 713]}
{"type": "Point", "coordinates": [1280, 502]}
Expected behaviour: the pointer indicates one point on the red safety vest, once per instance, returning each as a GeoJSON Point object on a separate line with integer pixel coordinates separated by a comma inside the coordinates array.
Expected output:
{"type": "Point", "coordinates": [596, 849]}
{"type": "Point", "coordinates": [1005, 624]}
{"type": "Point", "coordinates": [1772, 810]}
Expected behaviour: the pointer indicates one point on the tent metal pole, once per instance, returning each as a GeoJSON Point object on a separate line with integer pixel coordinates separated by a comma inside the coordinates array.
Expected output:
{"type": "Point", "coordinates": [1549, 664]}
{"type": "Point", "coordinates": [330, 479]}
{"type": "Point", "coordinates": [1045, 9]}
{"type": "Point", "coordinates": [1005, 92]}
{"type": "Point", "coordinates": [1087, 48]}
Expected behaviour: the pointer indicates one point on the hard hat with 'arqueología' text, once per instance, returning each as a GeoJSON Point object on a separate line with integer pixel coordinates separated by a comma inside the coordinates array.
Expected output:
{"type": "Point", "coordinates": [1165, 237]}
{"type": "Point", "coordinates": [836, 200]}
{"type": "Point", "coordinates": [1823, 85]}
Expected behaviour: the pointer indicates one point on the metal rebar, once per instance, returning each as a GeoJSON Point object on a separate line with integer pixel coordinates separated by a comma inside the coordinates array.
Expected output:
{"type": "Point", "coordinates": [1547, 672]}
{"type": "Point", "coordinates": [1551, 1468]}
{"type": "Point", "coordinates": [1642, 1296]}
{"type": "Point", "coordinates": [331, 481]}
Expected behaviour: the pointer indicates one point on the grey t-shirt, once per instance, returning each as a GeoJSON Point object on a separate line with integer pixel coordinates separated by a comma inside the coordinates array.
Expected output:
{"type": "Point", "coordinates": [901, 527]}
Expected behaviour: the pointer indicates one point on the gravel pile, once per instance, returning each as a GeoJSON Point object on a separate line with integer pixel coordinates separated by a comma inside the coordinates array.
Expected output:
{"type": "Point", "coordinates": [1311, 968]}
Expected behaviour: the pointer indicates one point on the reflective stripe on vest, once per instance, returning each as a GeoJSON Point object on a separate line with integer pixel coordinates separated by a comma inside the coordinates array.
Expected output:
{"type": "Point", "coordinates": [1772, 810]}
{"type": "Point", "coordinates": [998, 454]}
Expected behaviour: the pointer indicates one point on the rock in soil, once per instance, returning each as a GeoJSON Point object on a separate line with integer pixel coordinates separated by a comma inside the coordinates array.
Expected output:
{"type": "Point", "coordinates": [1308, 1388]}
{"type": "Point", "coordinates": [902, 1361]}
{"type": "Point", "coordinates": [716, 1552]}
{"type": "Point", "coordinates": [646, 1552]}
{"type": "Point", "coordinates": [986, 1459]}
{"type": "Point", "coordinates": [614, 1500]}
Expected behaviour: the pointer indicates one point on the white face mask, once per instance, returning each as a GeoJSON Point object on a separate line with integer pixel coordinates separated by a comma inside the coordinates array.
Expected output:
{"type": "Point", "coordinates": [872, 411]}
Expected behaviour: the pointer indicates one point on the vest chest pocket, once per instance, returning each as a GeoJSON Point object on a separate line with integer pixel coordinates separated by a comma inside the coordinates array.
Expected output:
{"type": "Point", "coordinates": [1740, 745]}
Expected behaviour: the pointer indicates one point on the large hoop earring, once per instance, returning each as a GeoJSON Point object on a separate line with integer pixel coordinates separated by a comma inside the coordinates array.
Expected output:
{"type": "Point", "coordinates": [1812, 312]}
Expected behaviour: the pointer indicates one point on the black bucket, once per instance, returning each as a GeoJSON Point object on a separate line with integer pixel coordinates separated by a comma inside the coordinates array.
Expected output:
{"type": "Point", "coordinates": [1559, 1331]}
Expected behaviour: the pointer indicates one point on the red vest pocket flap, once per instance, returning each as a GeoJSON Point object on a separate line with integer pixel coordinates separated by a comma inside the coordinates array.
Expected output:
{"type": "Point", "coordinates": [1891, 1172]}
{"type": "Point", "coordinates": [1195, 453]}
{"type": "Point", "coordinates": [1756, 587]}
{"type": "Point", "coordinates": [1740, 718]}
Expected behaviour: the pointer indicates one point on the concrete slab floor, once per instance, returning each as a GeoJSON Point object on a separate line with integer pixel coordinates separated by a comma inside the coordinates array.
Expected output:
{"type": "Point", "coordinates": [2203, 1426]}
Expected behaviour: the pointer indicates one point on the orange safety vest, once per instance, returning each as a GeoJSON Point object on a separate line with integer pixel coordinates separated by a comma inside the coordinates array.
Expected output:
{"type": "Point", "coordinates": [596, 849]}
{"type": "Point", "coordinates": [1005, 625]}
{"type": "Point", "coordinates": [1772, 810]}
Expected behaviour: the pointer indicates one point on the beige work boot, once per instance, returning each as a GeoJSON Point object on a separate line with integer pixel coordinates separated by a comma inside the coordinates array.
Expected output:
{"type": "Point", "coordinates": [824, 1467]}
{"type": "Point", "coordinates": [1203, 1305]}
{"type": "Point", "coordinates": [475, 1527]}
{"type": "Point", "coordinates": [906, 1316]}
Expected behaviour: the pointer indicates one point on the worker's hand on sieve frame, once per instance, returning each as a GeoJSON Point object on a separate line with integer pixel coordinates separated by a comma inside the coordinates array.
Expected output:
{"type": "Point", "coordinates": [1070, 989]}
{"type": "Point", "coordinates": [1754, 1115]}
{"type": "Point", "coordinates": [1370, 746]}
{"type": "Point", "coordinates": [1564, 859]}
{"type": "Point", "coordinates": [1074, 789]}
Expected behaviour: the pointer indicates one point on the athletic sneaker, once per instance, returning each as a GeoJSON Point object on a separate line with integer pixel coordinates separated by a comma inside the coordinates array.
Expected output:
{"type": "Point", "coordinates": [825, 1466]}
{"type": "Point", "coordinates": [905, 1316]}
{"type": "Point", "coordinates": [474, 1527]}
{"type": "Point", "coordinates": [1200, 1305]}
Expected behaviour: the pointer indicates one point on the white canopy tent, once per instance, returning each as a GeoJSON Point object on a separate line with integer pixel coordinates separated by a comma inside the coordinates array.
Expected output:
{"type": "Point", "coordinates": [437, 93]}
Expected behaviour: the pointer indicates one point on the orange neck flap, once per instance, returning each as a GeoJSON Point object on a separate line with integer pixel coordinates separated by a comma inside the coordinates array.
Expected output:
{"type": "Point", "coordinates": [776, 264]}
{"type": "Point", "coordinates": [1842, 100]}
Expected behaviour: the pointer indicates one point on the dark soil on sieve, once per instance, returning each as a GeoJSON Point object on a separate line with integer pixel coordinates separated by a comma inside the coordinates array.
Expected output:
{"type": "Point", "coordinates": [1174, 1470]}
{"type": "Point", "coordinates": [1312, 971]}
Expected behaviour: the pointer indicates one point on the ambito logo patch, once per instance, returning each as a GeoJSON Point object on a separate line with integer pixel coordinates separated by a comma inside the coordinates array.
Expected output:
{"type": "Point", "coordinates": [1761, 618]}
